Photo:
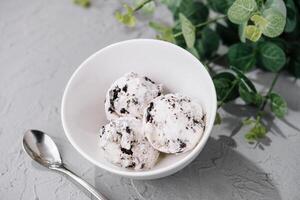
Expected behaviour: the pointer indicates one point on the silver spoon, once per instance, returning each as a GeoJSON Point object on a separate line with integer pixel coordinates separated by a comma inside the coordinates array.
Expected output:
{"type": "Point", "coordinates": [41, 148]}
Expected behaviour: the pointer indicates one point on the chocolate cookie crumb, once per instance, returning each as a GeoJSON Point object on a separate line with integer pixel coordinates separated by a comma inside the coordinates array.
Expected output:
{"type": "Point", "coordinates": [126, 151]}
{"type": "Point", "coordinates": [123, 111]}
{"type": "Point", "coordinates": [148, 79]}
{"type": "Point", "coordinates": [124, 89]}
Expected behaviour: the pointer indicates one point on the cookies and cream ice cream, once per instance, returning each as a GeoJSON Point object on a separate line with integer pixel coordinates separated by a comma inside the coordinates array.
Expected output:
{"type": "Point", "coordinates": [173, 123]}
{"type": "Point", "coordinates": [125, 145]}
{"type": "Point", "coordinates": [129, 95]}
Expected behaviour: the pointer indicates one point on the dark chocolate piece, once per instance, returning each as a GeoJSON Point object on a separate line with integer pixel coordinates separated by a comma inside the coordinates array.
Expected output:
{"type": "Point", "coordinates": [125, 88]}
{"type": "Point", "coordinates": [149, 117]}
{"type": "Point", "coordinates": [148, 79]}
{"type": "Point", "coordinates": [128, 130]}
{"type": "Point", "coordinates": [123, 111]}
{"type": "Point", "coordinates": [126, 151]}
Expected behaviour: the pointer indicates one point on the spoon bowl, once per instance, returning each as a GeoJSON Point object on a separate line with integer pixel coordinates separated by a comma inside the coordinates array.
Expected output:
{"type": "Point", "coordinates": [41, 148]}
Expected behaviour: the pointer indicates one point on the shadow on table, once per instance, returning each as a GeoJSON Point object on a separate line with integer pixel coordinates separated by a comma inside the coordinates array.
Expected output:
{"type": "Point", "coordinates": [219, 172]}
{"type": "Point", "coordinates": [239, 112]}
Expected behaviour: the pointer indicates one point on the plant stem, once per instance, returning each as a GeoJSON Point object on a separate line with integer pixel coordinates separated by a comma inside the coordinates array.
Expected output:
{"type": "Point", "coordinates": [203, 24]}
{"type": "Point", "coordinates": [268, 93]}
{"type": "Point", "coordinates": [141, 5]}
{"type": "Point", "coordinates": [210, 21]}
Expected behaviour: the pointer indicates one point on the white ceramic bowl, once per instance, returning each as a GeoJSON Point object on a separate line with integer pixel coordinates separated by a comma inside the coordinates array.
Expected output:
{"type": "Point", "coordinates": [83, 100]}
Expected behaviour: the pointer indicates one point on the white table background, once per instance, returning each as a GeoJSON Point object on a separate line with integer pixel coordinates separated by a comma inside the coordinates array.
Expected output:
{"type": "Point", "coordinates": [42, 42]}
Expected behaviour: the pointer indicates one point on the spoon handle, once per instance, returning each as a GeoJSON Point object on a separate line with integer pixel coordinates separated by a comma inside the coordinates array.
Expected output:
{"type": "Point", "coordinates": [82, 182]}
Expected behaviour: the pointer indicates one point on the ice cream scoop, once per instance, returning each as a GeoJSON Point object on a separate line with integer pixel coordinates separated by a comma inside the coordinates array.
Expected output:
{"type": "Point", "coordinates": [173, 123]}
{"type": "Point", "coordinates": [129, 95]}
{"type": "Point", "coordinates": [125, 145]}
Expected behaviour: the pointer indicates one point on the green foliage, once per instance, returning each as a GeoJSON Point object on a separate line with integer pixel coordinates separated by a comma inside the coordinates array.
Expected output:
{"type": "Point", "coordinates": [128, 17]}
{"type": "Point", "coordinates": [259, 21]}
{"type": "Point", "coordinates": [165, 32]}
{"type": "Point", "coordinates": [268, 20]}
{"type": "Point", "coordinates": [173, 5]}
{"type": "Point", "coordinates": [243, 77]}
{"type": "Point", "coordinates": [247, 90]}
{"type": "Point", "coordinates": [258, 131]}
{"type": "Point", "coordinates": [188, 30]}
{"type": "Point", "coordinates": [252, 35]}
{"type": "Point", "coordinates": [291, 20]}
{"type": "Point", "coordinates": [148, 8]}
{"type": "Point", "coordinates": [196, 12]}
{"type": "Point", "coordinates": [271, 56]}
{"type": "Point", "coordinates": [229, 34]}
{"type": "Point", "coordinates": [83, 3]}
{"type": "Point", "coordinates": [248, 95]}
{"type": "Point", "coordinates": [278, 105]}
{"type": "Point", "coordinates": [242, 56]}
{"type": "Point", "coordinates": [194, 51]}
{"type": "Point", "coordinates": [278, 5]}
{"type": "Point", "coordinates": [208, 44]}
{"type": "Point", "coordinates": [241, 10]}
{"type": "Point", "coordinates": [226, 86]}
{"type": "Point", "coordinates": [220, 6]}
{"type": "Point", "coordinates": [242, 31]}
{"type": "Point", "coordinates": [275, 25]}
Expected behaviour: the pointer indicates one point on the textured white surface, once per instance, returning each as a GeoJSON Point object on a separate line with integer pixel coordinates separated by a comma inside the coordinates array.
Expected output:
{"type": "Point", "coordinates": [42, 42]}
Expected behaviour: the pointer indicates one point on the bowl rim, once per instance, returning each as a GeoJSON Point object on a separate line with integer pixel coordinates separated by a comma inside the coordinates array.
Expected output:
{"type": "Point", "coordinates": [174, 167]}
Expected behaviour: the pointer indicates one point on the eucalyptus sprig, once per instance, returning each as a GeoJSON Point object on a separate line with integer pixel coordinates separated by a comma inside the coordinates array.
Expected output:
{"type": "Point", "coordinates": [260, 34]}
{"type": "Point", "coordinates": [128, 18]}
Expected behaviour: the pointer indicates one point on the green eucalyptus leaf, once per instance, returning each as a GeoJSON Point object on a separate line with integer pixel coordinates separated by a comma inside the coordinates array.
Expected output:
{"type": "Point", "coordinates": [259, 131]}
{"type": "Point", "coordinates": [278, 105]}
{"type": "Point", "coordinates": [188, 30]}
{"type": "Point", "coordinates": [248, 95]}
{"type": "Point", "coordinates": [247, 89]}
{"type": "Point", "coordinates": [242, 56]}
{"type": "Point", "coordinates": [280, 42]}
{"type": "Point", "coordinates": [259, 21]}
{"type": "Point", "coordinates": [241, 10]}
{"type": "Point", "coordinates": [196, 12]}
{"type": "Point", "coordinates": [194, 51]}
{"type": "Point", "coordinates": [208, 44]}
{"type": "Point", "coordinates": [291, 21]}
{"type": "Point", "coordinates": [271, 56]}
{"type": "Point", "coordinates": [165, 32]}
{"type": "Point", "coordinates": [83, 3]}
{"type": "Point", "coordinates": [220, 6]}
{"type": "Point", "coordinates": [173, 5]}
{"type": "Point", "coordinates": [243, 77]}
{"type": "Point", "coordinates": [179, 39]}
{"type": "Point", "coordinates": [252, 33]}
{"type": "Point", "coordinates": [276, 23]}
{"type": "Point", "coordinates": [147, 8]}
{"type": "Point", "coordinates": [223, 82]}
{"type": "Point", "coordinates": [127, 18]}
{"type": "Point", "coordinates": [278, 5]}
